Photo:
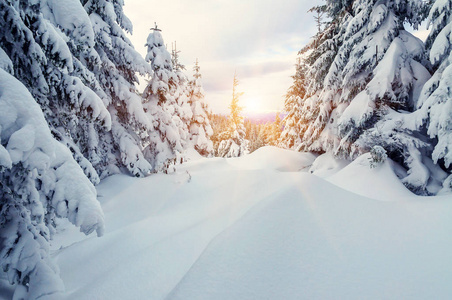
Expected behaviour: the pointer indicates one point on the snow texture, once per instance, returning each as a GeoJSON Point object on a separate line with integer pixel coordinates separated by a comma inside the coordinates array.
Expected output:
{"type": "Point", "coordinates": [229, 229]}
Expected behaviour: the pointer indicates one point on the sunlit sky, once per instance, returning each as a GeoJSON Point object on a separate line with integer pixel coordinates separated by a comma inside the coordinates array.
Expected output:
{"type": "Point", "coordinates": [259, 39]}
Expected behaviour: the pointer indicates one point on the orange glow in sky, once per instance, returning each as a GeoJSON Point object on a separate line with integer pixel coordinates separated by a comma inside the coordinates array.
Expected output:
{"type": "Point", "coordinates": [257, 39]}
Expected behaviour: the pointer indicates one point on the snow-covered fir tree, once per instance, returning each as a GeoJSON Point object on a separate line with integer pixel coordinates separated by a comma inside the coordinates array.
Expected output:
{"type": "Point", "coordinates": [177, 65]}
{"type": "Point", "coordinates": [183, 113]}
{"type": "Point", "coordinates": [294, 125]}
{"type": "Point", "coordinates": [116, 73]}
{"type": "Point", "coordinates": [273, 131]}
{"type": "Point", "coordinates": [368, 72]}
{"type": "Point", "coordinates": [219, 125]}
{"type": "Point", "coordinates": [39, 182]}
{"type": "Point", "coordinates": [164, 147]}
{"type": "Point", "coordinates": [200, 129]}
{"type": "Point", "coordinates": [233, 142]}
{"type": "Point", "coordinates": [382, 70]}
{"type": "Point", "coordinates": [253, 135]}
{"type": "Point", "coordinates": [47, 55]}
{"type": "Point", "coordinates": [316, 106]}
{"type": "Point", "coordinates": [435, 102]}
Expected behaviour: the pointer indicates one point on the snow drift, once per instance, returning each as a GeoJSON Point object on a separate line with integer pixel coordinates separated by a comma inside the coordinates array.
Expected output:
{"type": "Point", "coordinates": [227, 229]}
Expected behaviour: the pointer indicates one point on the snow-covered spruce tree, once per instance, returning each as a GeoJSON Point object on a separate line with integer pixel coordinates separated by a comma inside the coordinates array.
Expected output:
{"type": "Point", "coordinates": [219, 125]}
{"type": "Point", "coordinates": [316, 106]}
{"type": "Point", "coordinates": [72, 19]}
{"type": "Point", "coordinates": [233, 142]}
{"type": "Point", "coordinates": [42, 40]}
{"type": "Point", "coordinates": [39, 182]}
{"type": "Point", "coordinates": [294, 125]}
{"type": "Point", "coordinates": [435, 102]}
{"type": "Point", "coordinates": [382, 70]}
{"type": "Point", "coordinates": [368, 72]}
{"type": "Point", "coordinates": [200, 129]}
{"type": "Point", "coordinates": [164, 147]}
{"type": "Point", "coordinates": [116, 74]}
{"type": "Point", "coordinates": [253, 135]}
{"type": "Point", "coordinates": [274, 131]}
{"type": "Point", "coordinates": [183, 113]}
{"type": "Point", "coordinates": [175, 62]}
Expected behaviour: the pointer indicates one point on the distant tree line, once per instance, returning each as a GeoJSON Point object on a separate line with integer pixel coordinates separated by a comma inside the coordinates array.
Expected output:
{"type": "Point", "coordinates": [257, 134]}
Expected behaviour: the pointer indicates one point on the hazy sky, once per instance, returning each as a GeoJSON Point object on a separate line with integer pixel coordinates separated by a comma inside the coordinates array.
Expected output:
{"type": "Point", "coordinates": [257, 38]}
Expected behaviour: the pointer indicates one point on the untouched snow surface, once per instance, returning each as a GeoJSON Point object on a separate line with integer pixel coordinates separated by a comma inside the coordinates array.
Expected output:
{"type": "Point", "coordinates": [379, 183]}
{"type": "Point", "coordinates": [256, 227]}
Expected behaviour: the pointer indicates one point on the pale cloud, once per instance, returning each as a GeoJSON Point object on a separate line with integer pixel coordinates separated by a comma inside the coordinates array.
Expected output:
{"type": "Point", "coordinates": [258, 39]}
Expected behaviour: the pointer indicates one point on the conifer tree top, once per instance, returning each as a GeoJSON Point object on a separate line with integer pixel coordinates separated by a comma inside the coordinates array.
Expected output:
{"type": "Point", "coordinates": [156, 27]}
{"type": "Point", "coordinates": [157, 54]}
{"type": "Point", "coordinates": [196, 70]}
{"type": "Point", "coordinates": [235, 108]}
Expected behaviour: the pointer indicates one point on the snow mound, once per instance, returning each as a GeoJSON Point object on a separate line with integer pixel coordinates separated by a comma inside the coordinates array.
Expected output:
{"type": "Point", "coordinates": [191, 155]}
{"type": "Point", "coordinates": [247, 231]}
{"type": "Point", "coordinates": [313, 240]}
{"type": "Point", "coordinates": [273, 158]}
{"type": "Point", "coordinates": [327, 165]}
{"type": "Point", "coordinates": [377, 183]}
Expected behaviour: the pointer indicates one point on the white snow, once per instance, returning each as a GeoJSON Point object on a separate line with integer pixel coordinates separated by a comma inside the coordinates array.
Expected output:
{"type": "Point", "coordinates": [273, 158]}
{"type": "Point", "coordinates": [256, 227]}
{"type": "Point", "coordinates": [326, 165]}
{"type": "Point", "coordinates": [72, 18]}
{"type": "Point", "coordinates": [359, 109]}
{"type": "Point", "coordinates": [378, 183]}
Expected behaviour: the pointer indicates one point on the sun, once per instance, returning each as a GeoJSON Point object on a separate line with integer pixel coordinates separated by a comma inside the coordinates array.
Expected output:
{"type": "Point", "coordinates": [252, 104]}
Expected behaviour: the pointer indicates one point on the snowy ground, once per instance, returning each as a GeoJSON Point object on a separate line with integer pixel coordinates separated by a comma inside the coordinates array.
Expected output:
{"type": "Point", "coordinates": [263, 227]}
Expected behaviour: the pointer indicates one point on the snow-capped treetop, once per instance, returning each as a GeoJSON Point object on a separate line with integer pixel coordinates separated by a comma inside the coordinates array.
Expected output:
{"type": "Point", "coordinates": [235, 116]}
{"type": "Point", "coordinates": [197, 70]}
{"type": "Point", "coordinates": [156, 49]}
{"type": "Point", "coordinates": [177, 65]}
{"type": "Point", "coordinates": [160, 61]}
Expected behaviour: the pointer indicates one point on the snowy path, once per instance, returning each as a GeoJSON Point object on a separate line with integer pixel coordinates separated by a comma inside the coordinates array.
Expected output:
{"type": "Point", "coordinates": [257, 228]}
